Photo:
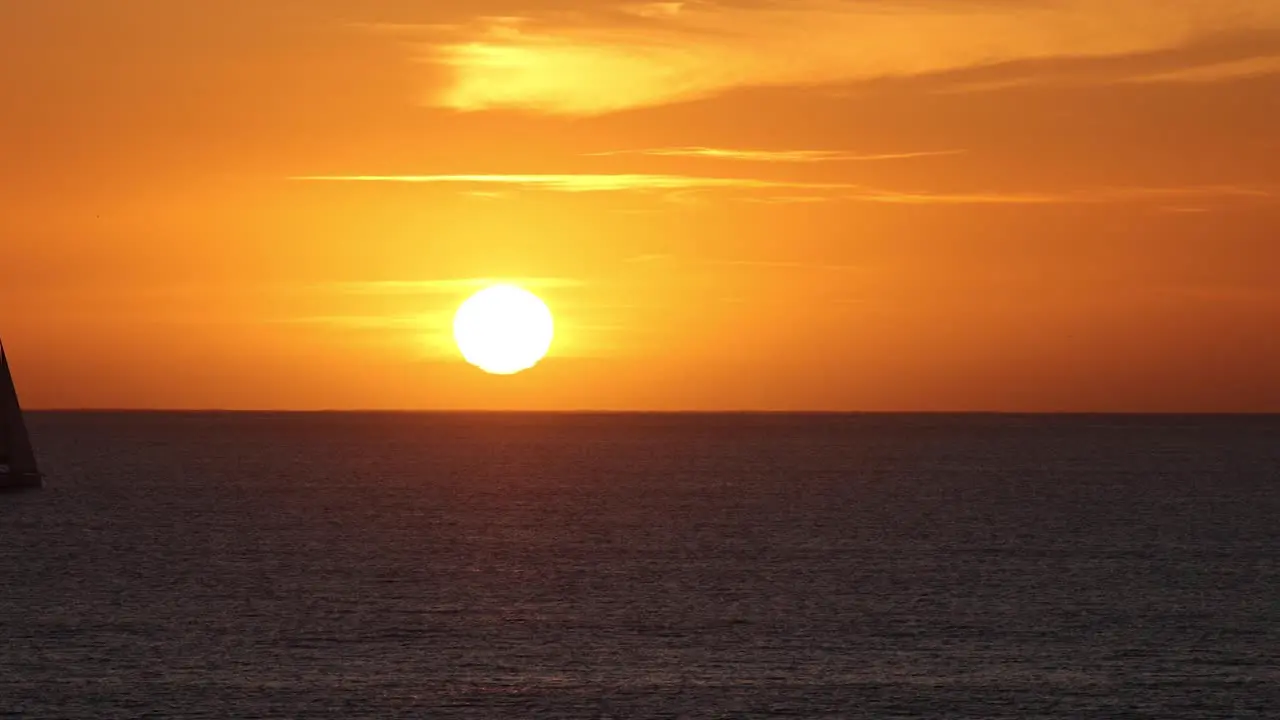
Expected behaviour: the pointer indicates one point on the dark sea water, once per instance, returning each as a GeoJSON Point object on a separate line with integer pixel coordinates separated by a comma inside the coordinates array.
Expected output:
{"type": "Point", "coordinates": [507, 566]}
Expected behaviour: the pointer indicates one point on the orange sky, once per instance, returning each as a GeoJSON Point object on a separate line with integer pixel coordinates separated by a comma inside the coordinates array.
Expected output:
{"type": "Point", "coordinates": [759, 204]}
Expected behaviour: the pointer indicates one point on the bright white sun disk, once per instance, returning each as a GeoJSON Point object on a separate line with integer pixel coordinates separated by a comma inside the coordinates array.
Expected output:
{"type": "Point", "coordinates": [503, 329]}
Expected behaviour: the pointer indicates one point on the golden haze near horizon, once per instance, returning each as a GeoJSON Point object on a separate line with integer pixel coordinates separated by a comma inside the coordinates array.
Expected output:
{"type": "Point", "coordinates": [1039, 205]}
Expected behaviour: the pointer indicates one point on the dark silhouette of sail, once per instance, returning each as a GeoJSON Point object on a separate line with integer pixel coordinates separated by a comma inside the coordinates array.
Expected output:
{"type": "Point", "coordinates": [15, 443]}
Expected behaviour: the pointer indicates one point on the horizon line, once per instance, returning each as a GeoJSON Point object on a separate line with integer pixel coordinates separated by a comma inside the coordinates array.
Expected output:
{"type": "Point", "coordinates": [600, 411]}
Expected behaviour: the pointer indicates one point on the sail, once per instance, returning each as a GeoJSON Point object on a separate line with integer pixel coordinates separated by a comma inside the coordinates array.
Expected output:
{"type": "Point", "coordinates": [15, 444]}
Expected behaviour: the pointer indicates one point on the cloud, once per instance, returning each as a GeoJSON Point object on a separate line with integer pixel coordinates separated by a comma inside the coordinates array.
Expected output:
{"type": "Point", "coordinates": [666, 52]}
{"type": "Point", "coordinates": [650, 258]}
{"type": "Point", "coordinates": [784, 265]}
{"type": "Point", "coordinates": [927, 198]}
{"type": "Point", "coordinates": [370, 322]}
{"type": "Point", "coordinates": [781, 191]}
{"type": "Point", "coordinates": [1215, 72]}
{"type": "Point", "coordinates": [790, 199]}
{"type": "Point", "coordinates": [1091, 196]}
{"type": "Point", "coordinates": [749, 264]}
{"type": "Point", "coordinates": [448, 286]}
{"type": "Point", "coordinates": [654, 9]}
{"type": "Point", "coordinates": [776, 156]}
{"type": "Point", "coordinates": [1203, 72]}
{"type": "Point", "coordinates": [580, 183]}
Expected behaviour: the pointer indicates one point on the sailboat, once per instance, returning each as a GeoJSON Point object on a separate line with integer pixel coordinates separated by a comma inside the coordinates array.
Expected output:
{"type": "Point", "coordinates": [18, 470]}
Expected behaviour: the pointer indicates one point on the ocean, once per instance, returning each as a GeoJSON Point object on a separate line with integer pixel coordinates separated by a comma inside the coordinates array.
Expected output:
{"type": "Point", "coordinates": [643, 566]}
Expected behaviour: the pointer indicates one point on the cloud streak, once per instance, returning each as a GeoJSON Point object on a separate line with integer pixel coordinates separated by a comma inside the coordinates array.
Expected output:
{"type": "Point", "coordinates": [444, 286]}
{"type": "Point", "coordinates": [370, 322]}
{"type": "Point", "coordinates": [775, 156]}
{"type": "Point", "coordinates": [663, 258]}
{"type": "Point", "coordinates": [668, 52]}
{"type": "Point", "coordinates": [1098, 196]}
{"type": "Point", "coordinates": [1215, 72]}
{"type": "Point", "coordinates": [584, 183]}
{"type": "Point", "coordinates": [782, 191]}
{"type": "Point", "coordinates": [1202, 73]}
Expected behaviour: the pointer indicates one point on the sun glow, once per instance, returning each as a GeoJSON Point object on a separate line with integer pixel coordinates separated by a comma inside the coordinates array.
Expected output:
{"type": "Point", "coordinates": [503, 329]}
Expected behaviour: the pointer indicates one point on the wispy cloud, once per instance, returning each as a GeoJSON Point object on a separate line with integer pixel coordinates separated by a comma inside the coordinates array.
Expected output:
{"type": "Point", "coordinates": [782, 191]}
{"type": "Point", "coordinates": [1215, 72]}
{"type": "Point", "coordinates": [789, 199]}
{"type": "Point", "coordinates": [445, 286]}
{"type": "Point", "coordinates": [776, 156]}
{"type": "Point", "coordinates": [580, 183]}
{"type": "Point", "coordinates": [654, 9]}
{"type": "Point", "coordinates": [1211, 72]}
{"type": "Point", "coordinates": [653, 258]}
{"type": "Point", "coordinates": [1089, 196]}
{"type": "Point", "coordinates": [785, 265]}
{"type": "Point", "coordinates": [755, 190]}
{"type": "Point", "coordinates": [370, 322]}
{"type": "Point", "coordinates": [774, 268]}
{"type": "Point", "coordinates": [649, 258]}
{"type": "Point", "coordinates": [1122, 194]}
{"type": "Point", "coordinates": [601, 62]}
{"type": "Point", "coordinates": [889, 197]}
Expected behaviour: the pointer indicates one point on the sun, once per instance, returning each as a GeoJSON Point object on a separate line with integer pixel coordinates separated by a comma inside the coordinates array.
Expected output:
{"type": "Point", "coordinates": [503, 329]}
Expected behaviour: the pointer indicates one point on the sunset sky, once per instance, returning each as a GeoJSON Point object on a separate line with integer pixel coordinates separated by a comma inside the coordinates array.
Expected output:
{"type": "Point", "coordinates": [1022, 205]}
